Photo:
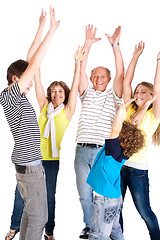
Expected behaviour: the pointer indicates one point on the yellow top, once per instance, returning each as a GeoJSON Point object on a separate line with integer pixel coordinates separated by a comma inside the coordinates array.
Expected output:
{"type": "Point", "coordinates": [149, 125]}
{"type": "Point", "coordinates": [61, 123]}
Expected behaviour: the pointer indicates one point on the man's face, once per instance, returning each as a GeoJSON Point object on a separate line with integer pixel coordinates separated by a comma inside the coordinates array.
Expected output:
{"type": "Point", "coordinates": [100, 79]}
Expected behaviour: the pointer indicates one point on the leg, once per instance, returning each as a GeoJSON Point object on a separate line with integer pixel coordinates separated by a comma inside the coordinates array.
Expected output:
{"type": "Point", "coordinates": [105, 219]}
{"type": "Point", "coordinates": [51, 170]}
{"type": "Point", "coordinates": [83, 161]}
{"type": "Point", "coordinates": [17, 210]}
{"type": "Point", "coordinates": [32, 187]}
{"type": "Point", "coordinates": [139, 188]}
{"type": "Point", "coordinates": [123, 190]}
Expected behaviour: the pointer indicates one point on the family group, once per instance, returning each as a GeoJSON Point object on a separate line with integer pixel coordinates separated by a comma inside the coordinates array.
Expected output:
{"type": "Point", "coordinates": [112, 139]}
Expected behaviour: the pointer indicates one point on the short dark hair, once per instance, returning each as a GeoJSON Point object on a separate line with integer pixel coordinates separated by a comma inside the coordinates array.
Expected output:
{"type": "Point", "coordinates": [131, 139]}
{"type": "Point", "coordinates": [63, 85]}
{"type": "Point", "coordinates": [16, 68]}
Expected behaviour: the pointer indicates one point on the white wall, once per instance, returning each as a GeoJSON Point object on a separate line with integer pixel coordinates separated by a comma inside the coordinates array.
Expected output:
{"type": "Point", "coordinates": [18, 25]}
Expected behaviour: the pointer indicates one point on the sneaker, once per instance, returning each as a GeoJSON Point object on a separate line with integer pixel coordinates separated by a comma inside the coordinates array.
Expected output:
{"type": "Point", "coordinates": [84, 233]}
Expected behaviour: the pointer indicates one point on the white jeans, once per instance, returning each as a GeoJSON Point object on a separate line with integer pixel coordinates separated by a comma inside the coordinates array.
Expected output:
{"type": "Point", "coordinates": [32, 187]}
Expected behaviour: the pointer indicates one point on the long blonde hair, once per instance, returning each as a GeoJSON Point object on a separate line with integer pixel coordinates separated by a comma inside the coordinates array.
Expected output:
{"type": "Point", "coordinates": [156, 135]}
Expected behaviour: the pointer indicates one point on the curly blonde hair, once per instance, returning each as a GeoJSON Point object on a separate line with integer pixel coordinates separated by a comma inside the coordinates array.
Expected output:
{"type": "Point", "coordinates": [131, 139]}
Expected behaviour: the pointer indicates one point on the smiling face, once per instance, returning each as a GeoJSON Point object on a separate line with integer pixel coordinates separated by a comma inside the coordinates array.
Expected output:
{"type": "Point", "coordinates": [100, 78]}
{"type": "Point", "coordinates": [57, 95]}
{"type": "Point", "coordinates": [142, 94]}
{"type": "Point", "coordinates": [28, 88]}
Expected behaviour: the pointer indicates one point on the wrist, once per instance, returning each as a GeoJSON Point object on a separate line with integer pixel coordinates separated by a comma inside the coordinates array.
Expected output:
{"type": "Point", "coordinates": [115, 44]}
{"type": "Point", "coordinates": [77, 60]}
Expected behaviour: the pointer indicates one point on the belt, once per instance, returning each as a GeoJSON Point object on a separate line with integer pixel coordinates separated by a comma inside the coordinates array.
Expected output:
{"type": "Point", "coordinates": [27, 169]}
{"type": "Point", "coordinates": [89, 145]}
{"type": "Point", "coordinates": [20, 169]}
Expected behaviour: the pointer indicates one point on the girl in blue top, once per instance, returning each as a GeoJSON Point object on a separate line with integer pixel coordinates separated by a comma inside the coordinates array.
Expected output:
{"type": "Point", "coordinates": [104, 177]}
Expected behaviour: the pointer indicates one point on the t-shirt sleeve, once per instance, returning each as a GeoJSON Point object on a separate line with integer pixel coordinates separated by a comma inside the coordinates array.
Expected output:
{"type": "Point", "coordinates": [84, 94]}
{"type": "Point", "coordinates": [10, 96]}
{"type": "Point", "coordinates": [113, 148]}
{"type": "Point", "coordinates": [117, 100]}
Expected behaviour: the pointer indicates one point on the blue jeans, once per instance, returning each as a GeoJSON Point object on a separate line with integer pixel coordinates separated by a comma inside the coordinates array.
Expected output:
{"type": "Point", "coordinates": [105, 219]}
{"type": "Point", "coordinates": [84, 160]}
{"type": "Point", "coordinates": [51, 171]}
{"type": "Point", "coordinates": [138, 183]}
{"type": "Point", "coordinates": [32, 187]}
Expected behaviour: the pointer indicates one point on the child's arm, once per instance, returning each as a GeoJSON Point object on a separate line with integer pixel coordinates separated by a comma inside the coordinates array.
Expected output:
{"type": "Point", "coordinates": [117, 124]}
{"type": "Point", "coordinates": [90, 39]}
{"type": "Point", "coordinates": [71, 105]}
{"type": "Point", "coordinates": [127, 90]}
{"type": "Point", "coordinates": [119, 77]}
{"type": "Point", "coordinates": [37, 58]}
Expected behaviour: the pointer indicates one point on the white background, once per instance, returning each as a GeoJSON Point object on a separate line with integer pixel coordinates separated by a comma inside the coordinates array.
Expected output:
{"type": "Point", "coordinates": [140, 20]}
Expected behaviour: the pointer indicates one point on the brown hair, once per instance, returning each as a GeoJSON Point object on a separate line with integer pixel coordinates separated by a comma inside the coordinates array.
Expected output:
{"type": "Point", "coordinates": [131, 139]}
{"type": "Point", "coordinates": [63, 85]}
{"type": "Point", "coordinates": [156, 135]}
{"type": "Point", "coordinates": [17, 68]}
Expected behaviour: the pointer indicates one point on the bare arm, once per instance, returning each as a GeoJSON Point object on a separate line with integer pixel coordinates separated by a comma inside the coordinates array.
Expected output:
{"type": "Point", "coordinates": [71, 105]}
{"type": "Point", "coordinates": [156, 89]}
{"type": "Point", "coordinates": [90, 39]}
{"type": "Point", "coordinates": [37, 58]}
{"type": "Point", "coordinates": [140, 114]}
{"type": "Point", "coordinates": [117, 124]}
{"type": "Point", "coordinates": [119, 77]}
{"type": "Point", "coordinates": [127, 89]}
{"type": "Point", "coordinates": [37, 39]}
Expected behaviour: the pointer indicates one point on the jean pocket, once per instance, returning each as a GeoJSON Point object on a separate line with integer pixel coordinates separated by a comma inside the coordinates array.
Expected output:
{"type": "Point", "coordinates": [109, 214]}
{"type": "Point", "coordinates": [138, 173]}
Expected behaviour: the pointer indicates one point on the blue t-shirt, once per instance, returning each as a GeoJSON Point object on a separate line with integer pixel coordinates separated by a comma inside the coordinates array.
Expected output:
{"type": "Point", "coordinates": [104, 177]}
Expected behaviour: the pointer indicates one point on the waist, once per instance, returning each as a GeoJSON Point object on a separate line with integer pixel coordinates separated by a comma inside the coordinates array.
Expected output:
{"type": "Point", "coordinates": [89, 145]}
{"type": "Point", "coordinates": [27, 169]}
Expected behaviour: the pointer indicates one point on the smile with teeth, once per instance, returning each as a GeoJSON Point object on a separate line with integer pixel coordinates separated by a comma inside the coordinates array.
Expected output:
{"type": "Point", "coordinates": [99, 83]}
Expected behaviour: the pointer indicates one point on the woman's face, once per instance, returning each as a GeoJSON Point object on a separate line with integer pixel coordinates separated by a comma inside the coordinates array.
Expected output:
{"type": "Point", "coordinates": [142, 95]}
{"type": "Point", "coordinates": [57, 95]}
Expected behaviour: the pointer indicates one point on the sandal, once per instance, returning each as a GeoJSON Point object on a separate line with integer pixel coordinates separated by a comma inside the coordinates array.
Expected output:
{"type": "Point", "coordinates": [46, 237]}
{"type": "Point", "coordinates": [11, 234]}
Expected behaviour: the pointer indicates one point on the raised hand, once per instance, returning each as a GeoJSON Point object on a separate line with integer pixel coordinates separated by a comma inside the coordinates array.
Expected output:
{"type": "Point", "coordinates": [54, 24]}
{"type": "Point", "coordinates": [42, 18]}
{"type": "Point", "coordinates": [115, 37]}
{"type": "Point", "coordinates": [79, 54]}
{"type": "Point", "coordinates": [90, 34]}
{"type": "Point", "coordinates": [139, 49]}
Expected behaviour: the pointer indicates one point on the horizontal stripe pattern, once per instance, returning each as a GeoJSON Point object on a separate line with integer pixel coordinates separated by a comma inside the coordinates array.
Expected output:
{"type": "Point", "coordinates": [22, 120]}
{"type": "Point", "coordinates": [97, 115]}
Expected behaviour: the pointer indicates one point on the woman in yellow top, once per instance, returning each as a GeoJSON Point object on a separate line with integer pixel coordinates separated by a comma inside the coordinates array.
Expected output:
{"type": "Point", "coordinates": [56, 111]}
{"type": "Point", "coordinates": [134, 173]}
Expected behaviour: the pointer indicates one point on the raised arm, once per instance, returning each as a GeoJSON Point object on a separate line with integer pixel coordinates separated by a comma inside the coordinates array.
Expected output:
{"type": "Point", "coordinates": [90, 39]}
{"type": "Point", "coordinates": [156, 89]}
{"type": "Point", "coordinates": [37, 39]}
{"type": "Point", "coordinates": [71, 105]}
{"type": "Point", "coordinates": [119, 77]}
{"type": "Point", "coordinates": [37, 58]}
{"type": "Point", "coordinates": [117, 124]}
{"type": "Point", "coordinates": [127, 89]}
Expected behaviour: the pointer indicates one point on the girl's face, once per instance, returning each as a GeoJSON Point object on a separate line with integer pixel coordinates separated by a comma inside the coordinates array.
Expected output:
{"type": "Point", "coordinates": [57, 95]}
{"type": "Point", "coordinates": [142, 95]}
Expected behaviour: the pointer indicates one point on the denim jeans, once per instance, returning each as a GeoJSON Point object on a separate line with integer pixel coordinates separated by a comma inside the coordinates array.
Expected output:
{"type": "Point", "coordinates": [32, 187]}
{"type": "Point", "coordinates": [105, 219]}
{"type": "Point", "coordinates": [51, 170]}
{"type": "Point", "coordinates": [138, 183]}
{"type": "Point", "coordinates": [84, 160]}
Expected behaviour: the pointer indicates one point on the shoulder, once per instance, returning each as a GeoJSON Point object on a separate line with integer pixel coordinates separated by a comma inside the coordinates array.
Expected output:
{"type": "Point", "coordinates": [113, 148]}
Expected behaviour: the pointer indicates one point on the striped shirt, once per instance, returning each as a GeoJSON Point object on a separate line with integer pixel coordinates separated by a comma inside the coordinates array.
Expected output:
{"type": "Point", "coordinates": [97, 115]}
{"type": "Point", "coordinates": [22, 120]}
